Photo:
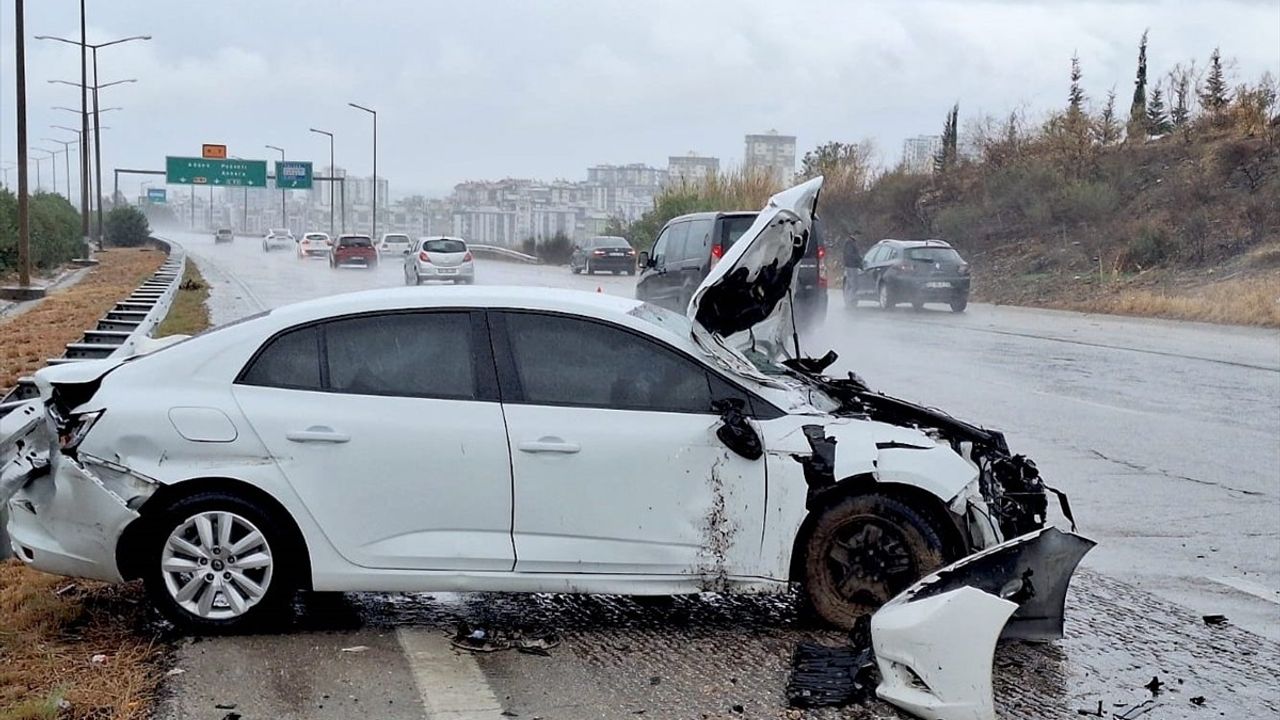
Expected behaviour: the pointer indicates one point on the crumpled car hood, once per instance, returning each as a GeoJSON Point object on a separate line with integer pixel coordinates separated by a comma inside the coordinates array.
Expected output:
{"type": "Point", "coordinates": [745, 301]}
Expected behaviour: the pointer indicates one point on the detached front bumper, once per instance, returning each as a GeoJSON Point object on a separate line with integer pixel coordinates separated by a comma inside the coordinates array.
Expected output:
{"type": "Point", "coordinates": [934, 643]}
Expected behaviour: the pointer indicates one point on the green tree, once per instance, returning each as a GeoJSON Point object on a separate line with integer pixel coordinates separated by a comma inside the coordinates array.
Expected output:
{"type": "Point", "coordinates": [1158, 122]}
{"type": "Point", "coordinates": [947, 153]}
{"type": "Point", "coordinates": [1138, 109]}
{"type": "Point", "coordinates": [1180, 84]}
{"type": "Point", "coordinates": [1213, 98]}
{"type": "Point", "coordinates": [1107, 129]}
{"type": "Point", "coordinates": [126, 226]}
{"type": "Point", "coordinates": [1075, 96]}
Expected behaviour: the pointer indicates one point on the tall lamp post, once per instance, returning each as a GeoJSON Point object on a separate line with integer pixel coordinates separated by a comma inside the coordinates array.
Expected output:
{"type": "Point", "coordinates": [373, 234]}
{"type": "Point", "coordinates": [332, 174]}
{"type": "Point", "coordinates": [66, 156]}
{"type": "Point", "coordinates": [84, 45]}
{"type": "Point", "coordinates": [284, 217]}
{"type": "Point", "coordinates": [97, 137]}
{"type": "Point", "coordinates": [53, 162]}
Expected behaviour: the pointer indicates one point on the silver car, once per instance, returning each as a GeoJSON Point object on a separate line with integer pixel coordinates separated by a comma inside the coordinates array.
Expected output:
{"type": "Point", "coordinates": [439, 258]}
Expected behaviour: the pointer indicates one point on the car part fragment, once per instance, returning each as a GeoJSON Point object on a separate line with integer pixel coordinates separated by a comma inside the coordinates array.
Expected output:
{"type": "Point", "coordinates": [935, 643]}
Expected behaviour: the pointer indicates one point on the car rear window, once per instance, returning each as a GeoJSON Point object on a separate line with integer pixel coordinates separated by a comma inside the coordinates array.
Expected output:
{"type": "Point", "coordinates": [609, 242]}
{"type": "Point", "coordinates": [355, 242]}
{"type": "Point", "coordinates": [732, 228]}
{"type": "Point", "coordinates": [313, 236]}
{"type": "Point", "coordinates": [279, 231]}
{"type": "Point", "coordinates": [398, 238]}
{"type": "Point", "coordinates": [444, 246]}
{"type": "Point", "coordinates": [934, 255]}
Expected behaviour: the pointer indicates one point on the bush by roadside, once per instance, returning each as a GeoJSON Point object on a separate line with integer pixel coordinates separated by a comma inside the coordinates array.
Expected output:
{"type": "Point", "coordinates": [188, 314]}
{"type": "Point", "coordinates": [126, 226]}
{"type": "Point", "coordinates": [55, 231]}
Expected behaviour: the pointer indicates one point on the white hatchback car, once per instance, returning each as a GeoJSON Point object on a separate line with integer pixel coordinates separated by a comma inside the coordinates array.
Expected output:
{"type": "Point", "coordinates": [277, 237]}
{"type": "Point", "coordinates": [561, 442]}
{"type": "Point", "coordinates": [439, 258]}
{"type": "Point", "coordinates": [314, 244]}
{"type": "Point", "coordinates": [394, 244]}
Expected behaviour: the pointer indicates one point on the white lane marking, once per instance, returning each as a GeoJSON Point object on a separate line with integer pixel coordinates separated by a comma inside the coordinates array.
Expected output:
{"type": "Point", "coordinates": [1248, 587]}
{"type": "Point", "coordinates": [450, 683]}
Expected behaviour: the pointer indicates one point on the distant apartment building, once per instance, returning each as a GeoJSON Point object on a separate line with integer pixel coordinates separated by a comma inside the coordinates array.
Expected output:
{"type": "Point", "coordinates": [772, 154]}
{"type": "Point", "coordinates": [691, 169]}
{"type": "Point", "coordinates": [918, 153]}
{"type": "Point", "coordinates": [360, 191]}
{"type": "Point", "coordinates": [623, 191]}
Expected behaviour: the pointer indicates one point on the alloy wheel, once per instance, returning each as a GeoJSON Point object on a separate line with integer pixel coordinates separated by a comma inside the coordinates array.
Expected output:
{"type": "Point", "coordinates": [216, 565]}
{"type": "Point", "coordinates": [870, 562]}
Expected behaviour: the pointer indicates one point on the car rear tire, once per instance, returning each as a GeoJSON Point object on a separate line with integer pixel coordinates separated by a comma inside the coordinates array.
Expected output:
{"type": "Point", "coordinates": [218, 563]}
{"type": "Point", "coordinates": [887, 300]}
{"type": "Point", "coordinates": [917, 305]}
{"type": "Point", "coordinates": [863, 551]}
{"type": "Point", "coordinates": [590, 270]}
{"type": "Point", "coordinates": [575, 269]}
{"type": "Point", "coordinates": [959, 304]}
{"type": "Point", "coordinates": [632, 271]}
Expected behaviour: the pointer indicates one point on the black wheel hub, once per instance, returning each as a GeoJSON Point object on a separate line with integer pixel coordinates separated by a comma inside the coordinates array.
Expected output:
{"type": "Point", "coordinates": [869, 561]}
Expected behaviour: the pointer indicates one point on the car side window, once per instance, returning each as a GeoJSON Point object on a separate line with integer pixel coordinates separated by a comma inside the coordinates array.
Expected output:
{"type": "Point", "coordinates": [876, 255]}
{"type": "Point", "coordinates": [676, 247]}
{"type": "Point", "coordinates": [423, 354]}
{"type": "Point", "coordinates": [698, 245]}
{"type": "Point", "coordinates": [659, 253]}
{"type": "Point", "coordinates": [608, 367]}
{"type": "Point", "coordinates": [289, 360]}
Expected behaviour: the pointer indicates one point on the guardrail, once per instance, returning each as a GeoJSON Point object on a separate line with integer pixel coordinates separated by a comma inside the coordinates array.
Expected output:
{"type": "Point", "coordinates": [116, 334]}
{"type": "Point", "coordinates": [502, 253]}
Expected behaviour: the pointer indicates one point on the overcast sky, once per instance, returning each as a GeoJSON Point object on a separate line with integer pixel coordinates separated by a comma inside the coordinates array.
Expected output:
{"type": "Point", "coordinates": [485, 89]}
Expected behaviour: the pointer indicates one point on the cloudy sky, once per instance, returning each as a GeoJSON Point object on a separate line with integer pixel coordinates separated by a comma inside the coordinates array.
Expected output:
{"type": "Point", "coordinates": [526, 88]}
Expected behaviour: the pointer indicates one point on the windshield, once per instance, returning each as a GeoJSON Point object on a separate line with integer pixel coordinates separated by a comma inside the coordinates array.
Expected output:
{"type": "Point", "coordinates": [935, 255]}
{"type": "Point", "coordinates": [444, 246]}
{"type": "Point", "coordinates": [732, 228]}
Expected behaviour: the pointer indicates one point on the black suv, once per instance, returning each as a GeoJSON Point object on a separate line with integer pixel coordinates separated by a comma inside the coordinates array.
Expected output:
{"type": "Point", "coordinates": [690, 245]}
{"type": "Point", "coordinates": [909, 271]}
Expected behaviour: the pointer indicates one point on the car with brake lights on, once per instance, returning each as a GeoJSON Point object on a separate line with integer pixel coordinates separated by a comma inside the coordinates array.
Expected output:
{"type": "Point", "coordinates": [893, 272]}
{"type": "Point", "coordinates": [439, 258]}
{"type": "Point", "coordinates": [314, 244]}
{"type": "Point", "coordinates": [394, 244]}
{"type": "Point", "coordinates": [277, 237]}
{"type": "Point", "coordinates": [353, 250]}
{"type": "Point", "coordinates": [603, 253]}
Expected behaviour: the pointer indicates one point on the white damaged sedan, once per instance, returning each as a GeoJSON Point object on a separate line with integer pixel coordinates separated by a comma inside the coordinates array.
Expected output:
{"type": "Point", "coordinates": [505, 439]}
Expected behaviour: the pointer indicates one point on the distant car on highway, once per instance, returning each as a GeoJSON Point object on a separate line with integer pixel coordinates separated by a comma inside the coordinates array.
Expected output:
{"type": "Point", "coordinates": [314, 244]}
{"type": "Point", "coordinates": [394, 244]}
{"type": "Point", "coordinates": [909, 271]}
{"type": "Point", "coordinates": [277, 237]}
{"type": "Point", "coordinates": [605, 253]}
{"type": "Point", "coordinates": [223, 235]}
{"type": "Point", "coordinates": [689, 246]}
{"type": "Point", "coordinates": [439, 258]}
{"type": "Point", "coordinates": [355, 250]}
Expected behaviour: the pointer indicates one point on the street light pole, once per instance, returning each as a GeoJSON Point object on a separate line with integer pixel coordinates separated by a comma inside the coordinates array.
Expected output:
{"type": "Point", "coordinates": [373, 235]}
{"type": "Point", "coordinates": [332, 174]}
{"type": "Point", "coordinates": [53, 163]}
{"type": "Point", "coordinates": [84, 130]}
{"type": "Point", "coordinates": [284, 217]}
{"type": "Point", "coordinates": [66, 156]}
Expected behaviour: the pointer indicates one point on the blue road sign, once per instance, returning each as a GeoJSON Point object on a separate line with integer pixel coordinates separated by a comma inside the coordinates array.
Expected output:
{"type": "Point", "coordinates": [293, 175]}
{"type": "Point", "coordinates": [155, 195]}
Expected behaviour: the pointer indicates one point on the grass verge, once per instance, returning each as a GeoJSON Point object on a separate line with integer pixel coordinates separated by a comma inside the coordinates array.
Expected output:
{"type": "Point", "coordinates": [188, 315]}
{"type": "Point", "coordinates": [77, 649]}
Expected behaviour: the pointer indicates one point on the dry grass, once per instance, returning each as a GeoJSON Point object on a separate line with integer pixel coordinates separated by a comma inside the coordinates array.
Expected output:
{"type": "Point", "coordinates": [188, 315]}
{"type": "Point", "coordinates": [51, 631]}
{"type": "Point", "coordinates": [1241, 301]}
{"type": "Point", "coordinates": [39, 334]}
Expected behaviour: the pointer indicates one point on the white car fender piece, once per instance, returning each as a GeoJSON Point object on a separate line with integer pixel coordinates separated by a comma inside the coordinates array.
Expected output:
{"type": "Point", "coordinates": [935, 642]}
{"type": "Point", "coordinates": [146, 345]}
{"type": "Point", "coordinates": [935, 654]}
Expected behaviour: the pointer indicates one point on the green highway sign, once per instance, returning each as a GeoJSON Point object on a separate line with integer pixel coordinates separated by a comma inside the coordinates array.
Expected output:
{"type": "Point", "coordinates": [293, 175]}
{"type": "Point", "coordinates": [208, 171]}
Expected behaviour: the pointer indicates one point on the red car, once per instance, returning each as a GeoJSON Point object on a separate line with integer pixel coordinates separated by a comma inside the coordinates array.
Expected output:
{"type": "Point", "coordinates": [353, 250]}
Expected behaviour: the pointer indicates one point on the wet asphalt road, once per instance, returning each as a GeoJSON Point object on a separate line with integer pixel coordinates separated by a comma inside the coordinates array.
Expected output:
{"type": "Point", "coordinates": [1164, 434]}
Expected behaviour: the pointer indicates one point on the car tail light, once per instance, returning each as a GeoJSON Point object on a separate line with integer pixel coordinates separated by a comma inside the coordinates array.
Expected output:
{"type": "Point", "coordinates": [424, 257]}
{"type": "Point", "coordinates": [72, 430]}
{"type": "Point", "coordinates": [467, 257]}
{"type": "Point", "coordinates": [963, 270]}
{"type": "Point", "coordinates": [906, 267]}
{"type": "Point", "coordinates": [822, 266]}
{"type": "Point", "coordinates": [631, 253]}
{"type": "Point", "coordinates": [717, 252]}
{"type": "Point", "coordinates": [597, 252]}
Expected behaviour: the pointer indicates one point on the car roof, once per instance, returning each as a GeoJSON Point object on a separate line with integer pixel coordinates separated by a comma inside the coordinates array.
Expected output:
{"type": "Point", "coordinates": [713, 215]}
{"type": "Point", "coordinates": [441, 237]}
{"type": "Point", "coordinates": [917, 243]}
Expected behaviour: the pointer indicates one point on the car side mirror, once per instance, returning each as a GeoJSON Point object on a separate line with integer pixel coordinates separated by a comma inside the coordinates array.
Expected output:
{"type": "Point", "coordinates": [735, 431]}
{"type": "Point", "coordinates": [643, 259]}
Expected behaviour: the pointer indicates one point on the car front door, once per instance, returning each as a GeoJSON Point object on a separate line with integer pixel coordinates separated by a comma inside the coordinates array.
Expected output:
{"type": "Point", "coordinates": [649, 285]}
{"type": "Point", "coordinates": [616, 464]}
{"type": "Point", "coordinates": [867, 275]}
{"type": "Point", "coordinates": [387, 426]}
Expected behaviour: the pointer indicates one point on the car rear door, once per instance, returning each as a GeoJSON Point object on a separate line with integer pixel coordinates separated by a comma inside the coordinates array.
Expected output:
{"type": "Point", "coordinates": [388, 428]}
{"type": "Point", "coordinates": [616, 464]}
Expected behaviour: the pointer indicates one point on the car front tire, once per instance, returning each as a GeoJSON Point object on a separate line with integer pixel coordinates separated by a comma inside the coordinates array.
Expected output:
{"type": "Point", "coordinates": [218, 563]}
{"type": "Point", "coordinates": [887, 300]}
{"type": "Point", "coordinates": [864, 550]}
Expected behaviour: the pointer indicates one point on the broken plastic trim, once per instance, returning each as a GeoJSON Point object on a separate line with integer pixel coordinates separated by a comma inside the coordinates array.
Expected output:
{"type": "Point", "coordinates": [935, 642]}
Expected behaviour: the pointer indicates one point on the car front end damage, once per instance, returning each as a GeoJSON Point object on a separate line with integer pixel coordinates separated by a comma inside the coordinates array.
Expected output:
{"type": "Point", "coordinates": [66, 509]}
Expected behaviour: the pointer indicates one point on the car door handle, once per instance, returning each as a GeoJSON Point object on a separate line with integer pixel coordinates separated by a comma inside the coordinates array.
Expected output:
{"type": "Point", "coordinates": [318, 433]}
{"type": "Point", "coordinates": [549, 445]}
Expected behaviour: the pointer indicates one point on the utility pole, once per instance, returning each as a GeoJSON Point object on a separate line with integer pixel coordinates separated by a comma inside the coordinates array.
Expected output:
{"type": "Point", "coordinates": [84, 133]}
{"type": "Point", "coordinates": [284, 217]}
{"type": "Point", "coordinates": [24, 221]}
